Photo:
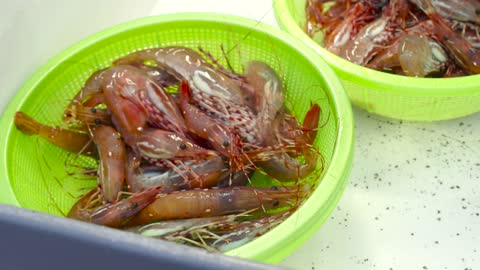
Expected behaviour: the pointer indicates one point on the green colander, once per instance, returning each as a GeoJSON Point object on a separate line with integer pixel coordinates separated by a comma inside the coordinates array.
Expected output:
{"type": "Point", "coordinates": [33, 174]}
{"type": "Point", "coordinates": [418, 99]}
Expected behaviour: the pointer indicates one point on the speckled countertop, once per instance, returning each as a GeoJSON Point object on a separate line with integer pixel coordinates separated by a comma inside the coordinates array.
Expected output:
{"type": "Point", "coordinates": [413, 200]}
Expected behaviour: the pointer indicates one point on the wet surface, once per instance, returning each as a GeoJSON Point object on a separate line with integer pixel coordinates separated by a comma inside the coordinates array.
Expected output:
{"type": "Point", "coordinates": [412, 201]}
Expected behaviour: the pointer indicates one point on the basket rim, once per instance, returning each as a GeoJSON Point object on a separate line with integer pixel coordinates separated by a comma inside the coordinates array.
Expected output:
{"type": "Point", "coordinates": [335, 176]}
{"type": "Point", "coordinates": [435, 87]}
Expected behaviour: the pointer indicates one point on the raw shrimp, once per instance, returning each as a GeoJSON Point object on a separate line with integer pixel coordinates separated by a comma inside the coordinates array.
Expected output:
{"type": "Point", "coordinates": [415, 52]}
{"type": "Point", "coordinates": [464, 54]}
{"type": "Point", "coordinates": [204, 126]}
{"type": "Point", "coordinates": [217, 201]}
{"type": "Point", "coordinates": [201, 173]}
{"type": "Point", "coordinates": [356, 17]}
{"type": "Point", "coordinates": [213, 92]}
{"type": "Point", "coordinates": [187, 155]}
{"type": "Point", "coordinates": [284, 167]}
{"type": "Point", "coordinates": [136, 99]}
{"type": "Point", "coordinates": [111, 170]}
{"type": "Point", "coordinates": [420, 56]}
{"type": "Point", "coordinates": [361, 49]}
{"type": "Point", "coordinates": [117, 214]}
{"type": "Point", "coordinates": [72, 141]}
{"type": "Point", "coordinates": [451, 27]}
{"type": "Point", "coordinates": [86, 115]}
{"type": "Point", "coordinates": [220, 233]}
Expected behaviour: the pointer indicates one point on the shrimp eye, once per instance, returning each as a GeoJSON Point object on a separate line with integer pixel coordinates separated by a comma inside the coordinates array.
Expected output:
{"type": "Point", "coordinates": [275, 203]}
{"type": "Point", "coordinates": [226, 144]}
{"type": "Point", "coordinates": [183, 146]}
{"type": "Point", "coordinates": [274, 188]}
{"type": "Point", "coordinates": [93, 110]}
{"type": "Point", "coordinates": [98, 122]}
{"type": "Point", "coordinates": [134, 205]}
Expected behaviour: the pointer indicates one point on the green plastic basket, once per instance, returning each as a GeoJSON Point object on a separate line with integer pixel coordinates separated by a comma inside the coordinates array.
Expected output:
{"type": "Point", "coordinates": [32, 173]}
{"type": "Point", "coordinates": [401, 97]}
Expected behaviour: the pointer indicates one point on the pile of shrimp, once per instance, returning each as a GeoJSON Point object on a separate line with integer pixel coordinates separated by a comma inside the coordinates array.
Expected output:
{"type": "Point", "coordinates": [418, 38]}
{"type": "Point", "coordinates": [177, 137]}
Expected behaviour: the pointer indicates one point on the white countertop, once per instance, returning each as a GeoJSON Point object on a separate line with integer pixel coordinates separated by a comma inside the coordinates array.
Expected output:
{"type": "Point", "coordinates": [413, 201]}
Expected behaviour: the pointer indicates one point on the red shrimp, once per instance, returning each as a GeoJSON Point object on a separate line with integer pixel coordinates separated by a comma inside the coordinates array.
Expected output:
{"type": "Point", "coordinates": [204, 126]}
{"type": "Point", "coordinates": [268, 88]}
{"type": "Point", "coordinates": [82, 209]}
{"type": "Point", "coordinates": [116, 214]}
{"type": "Point", "coordinates": [68, 140]}
{"type": "Point", "coordinates": [160, 147]}
{"type": "Point", "coordinates": [213, 92]}
{"type": "Point", "coordinates": [281, 164]}
{"type": "Point", "coordinates": [318, 17]}
{"type": "Point", "coordinates": [199, 167]}
{"type": "Point", "coordinates": [270, 104]}
{"type": "Point", "coordinates": [356, 17]}
{"type": "Point", "coordinates": [464, 54]}
{"type": "Point", "coordinates": [201, 173]}
{"type": "Point", "coordinates": [374, 35]}
{"type": "Point", "coordinates": [160, 77]}
{"type": "Point", "coordinates": [86, 115]}
{"type": "Point", "coordinates": [215, 202]}
{"type": "Point", "coordinates": [162, 144]}
{"type": "Point", "coordinates": [111, 170]}
{"type": "Point", "coordinates": [420, 56]}
{"type": "Point", "coordinates": [89, 96]}
{"type": "Point", "coordinates": [414, 51]}
{"type": "Point", "coordinates": [135, 99]}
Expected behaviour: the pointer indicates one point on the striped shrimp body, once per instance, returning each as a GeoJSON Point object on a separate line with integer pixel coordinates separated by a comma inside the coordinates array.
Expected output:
{"type": "Point", "coordinates": [167, 149]}
{"type": "Point", "coordinates": [213, 92]}
{"type": "Point", "coordinates": [223, 139]}
{"type": "Point", "coordinates": [135, 99]}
